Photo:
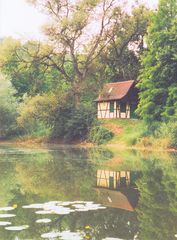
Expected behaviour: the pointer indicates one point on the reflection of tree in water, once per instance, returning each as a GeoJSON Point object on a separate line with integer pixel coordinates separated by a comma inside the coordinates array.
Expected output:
{"type": "Point", "coordinates": [157, 211]}
{"type": "Point", "coordinates": [31, 178]}
{"type": "Point", "coordinates": [99, 155]}
{"type": "Point", "coordinates": [67, 174]}
{"type": "Point", "coordinates": [7, 182]}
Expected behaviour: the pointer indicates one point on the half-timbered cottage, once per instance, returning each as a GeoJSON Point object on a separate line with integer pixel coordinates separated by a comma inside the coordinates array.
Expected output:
{"type": "Point", "coordinates": [117, 100]}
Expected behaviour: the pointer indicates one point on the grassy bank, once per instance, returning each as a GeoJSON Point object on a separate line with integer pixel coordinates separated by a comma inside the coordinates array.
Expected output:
{"type": "Point", "coordinates": [119, 133]}
{"type": "Point", "coordinates": [135, 133]}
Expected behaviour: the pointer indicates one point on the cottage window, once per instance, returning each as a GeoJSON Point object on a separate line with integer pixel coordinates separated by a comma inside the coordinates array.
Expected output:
{"type": "Point", "coordinates": [123, 107]}
{"type": "Point", "coordinates": [111, 107]}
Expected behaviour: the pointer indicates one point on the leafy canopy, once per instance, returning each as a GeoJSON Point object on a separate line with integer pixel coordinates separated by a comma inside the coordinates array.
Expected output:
{"type": "Point", "coordinates": [158, 78]}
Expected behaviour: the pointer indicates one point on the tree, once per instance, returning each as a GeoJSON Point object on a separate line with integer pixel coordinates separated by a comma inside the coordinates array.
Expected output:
{"type": "Point", "coordinates": [71, 32]}
{"type": "Point", "coordinates": [158, 78]}
{"type": "Point", "coordinates": [21, 62]}
{"type": "Point", "coordinates": [122, 56]}
{"type": "Point", "coordinates": [8, 107]}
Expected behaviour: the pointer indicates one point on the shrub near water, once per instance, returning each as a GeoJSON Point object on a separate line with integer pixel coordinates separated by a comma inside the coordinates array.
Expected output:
{"type": "Point", "coordinates": [168, 131]}
{"type": "Point", "coordinates": [174, 135]}
{"type": "Point", "coordinates": [35, 115]}
{"type": "Point", "coordinates": [8, 108]}
{"type": "Point", "coordinates": [73, 124]}
{"type": "Point", "coordinates": [100, 135]}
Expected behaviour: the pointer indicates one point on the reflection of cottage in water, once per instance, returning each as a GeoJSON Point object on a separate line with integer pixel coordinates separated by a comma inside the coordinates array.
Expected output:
{"type": "Point", "coordinates": [117, 189]}
{"type": "Point", "coordinates": [116, 180]}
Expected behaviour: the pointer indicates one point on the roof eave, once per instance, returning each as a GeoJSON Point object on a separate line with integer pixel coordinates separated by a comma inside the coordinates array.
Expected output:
{"type": "Point", "coordinates": [107, 99]}
{"type": "Point", "coordinates": [114, 99]}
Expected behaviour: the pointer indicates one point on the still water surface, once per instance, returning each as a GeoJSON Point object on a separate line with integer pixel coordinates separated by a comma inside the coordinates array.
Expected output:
{"type": "Point", "coordinates": [72, 193]}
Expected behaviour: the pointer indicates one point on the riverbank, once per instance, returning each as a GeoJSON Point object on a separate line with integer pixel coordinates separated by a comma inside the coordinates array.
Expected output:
{"type": "Point", "coordinates": [127, 134]}
{"type": "Point", "coordinates": [134, 134]}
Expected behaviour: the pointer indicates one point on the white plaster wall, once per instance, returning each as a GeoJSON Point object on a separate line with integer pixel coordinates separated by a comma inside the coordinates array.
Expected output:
{"type": "Point", "coordinates": [105, 110]}
{"type": "Point", "coordinates": [105, 113]}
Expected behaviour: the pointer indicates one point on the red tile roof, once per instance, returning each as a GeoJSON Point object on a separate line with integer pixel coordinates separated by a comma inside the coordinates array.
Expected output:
{"type": "Point", "coordinates": [115, 91]}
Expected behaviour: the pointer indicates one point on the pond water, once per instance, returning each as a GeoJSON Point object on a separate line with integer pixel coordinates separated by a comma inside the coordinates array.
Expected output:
{"type": "Point", "coordinates": [73, 193]}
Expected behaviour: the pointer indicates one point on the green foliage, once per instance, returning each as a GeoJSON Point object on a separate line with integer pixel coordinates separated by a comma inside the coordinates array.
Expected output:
{"type": "Point", "coordinates": [174, 135]}
{"type": "Point", "coordinates": [73, 124]}
{"type": "Point", "coordinates": [159, 66]}
{"type": "Point", "coordinates": [8, 108]}
{"type": "Point", "coordinates": [158, 200]}
{"type": "Point", "coordinates": [39, 107]}
{"type": "Point", "coordinates": [168, 131]}
{"type": "Point", "coordinates": [100, 135]}
{"type": "Point", "coordinates": [57, 83]}
{"type": "Point", "coordinates": [35, 114]}
{"type": "Point", "coordinates": [170, 113]}
{"type": "Point", "coordinates": [23, 63]}
{"type": "Point", "coordinates": [122, 56]}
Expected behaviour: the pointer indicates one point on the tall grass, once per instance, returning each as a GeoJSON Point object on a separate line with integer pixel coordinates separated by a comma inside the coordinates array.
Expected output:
{"type": "Point", "coordinates": [157, 135]}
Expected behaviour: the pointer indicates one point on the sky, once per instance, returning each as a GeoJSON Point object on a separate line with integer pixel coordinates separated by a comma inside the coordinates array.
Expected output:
{"type": "Point", "coordinates": [20, 20]}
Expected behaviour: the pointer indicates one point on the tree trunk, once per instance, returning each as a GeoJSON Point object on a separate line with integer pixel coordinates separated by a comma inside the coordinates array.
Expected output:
{"type": "Point", "coordinates": [77, 100]}
{"type": "Point", "coordinates": [77, 93]}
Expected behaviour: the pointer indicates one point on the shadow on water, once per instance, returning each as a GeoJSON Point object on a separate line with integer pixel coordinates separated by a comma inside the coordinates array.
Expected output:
{"type": "Point", "coordinates": [88, 194]}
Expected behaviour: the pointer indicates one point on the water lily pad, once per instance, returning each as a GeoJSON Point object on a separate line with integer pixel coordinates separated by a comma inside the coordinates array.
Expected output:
{"type": "Point", "coordinates": [59, 210]}
{"type": "Point", "coordinates": [43, 220]}
{"type": "Point", "coordinates": [89, 202]}
{"type": "Point", "coordinates": [6, 208]}
{"type": "Point", "coordinates": [4, 223]}
{"type": "Point", "coordinates": [65, 203]}
{"type": "Point", "coordinates": [37, 205]}
{"type": "Point", "coordinates": [95, 207]}
{"type": "Point", "coordinates": [17, 228]}
{"type": "Point", "coordinates": [112, 238]}
{"type": "Point", "coordinates": [65, 235]}
{"type": "Point", "coordinates": [7, 215]}
{"type": "Point", "coordinates": [55, 208]}
{"type": "Point", "coordinates": [52, 203]}
{"type": "Point", "coordinates": [63, 212]}
{"type": "Point", "coordinates": [79, 206]}
{"type": "Point", "coordinates": [51, 235]}
{"type": "Point", "coordinates": [87, 206]}
{"type": "Point", "coordinates": [82, 210]}
{"type": "Point", "coordinates": [44, 212]}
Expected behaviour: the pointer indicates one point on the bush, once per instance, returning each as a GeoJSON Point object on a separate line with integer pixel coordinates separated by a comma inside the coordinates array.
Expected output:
{"type": "Point", "coordinates": [35, 115]}
{"type": "Point", "coordinates": [173, 132]}
{"type": "Point", "coordinates": [8, 124]}
{"type": "Point", "coordinates": [168, 131]}
{"type": "Point", "coordinates": [100, 135]}
{"type": "Point", "coordinates": [8, 108]}
{"type": "Point", "coordinates": [73, 124]}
